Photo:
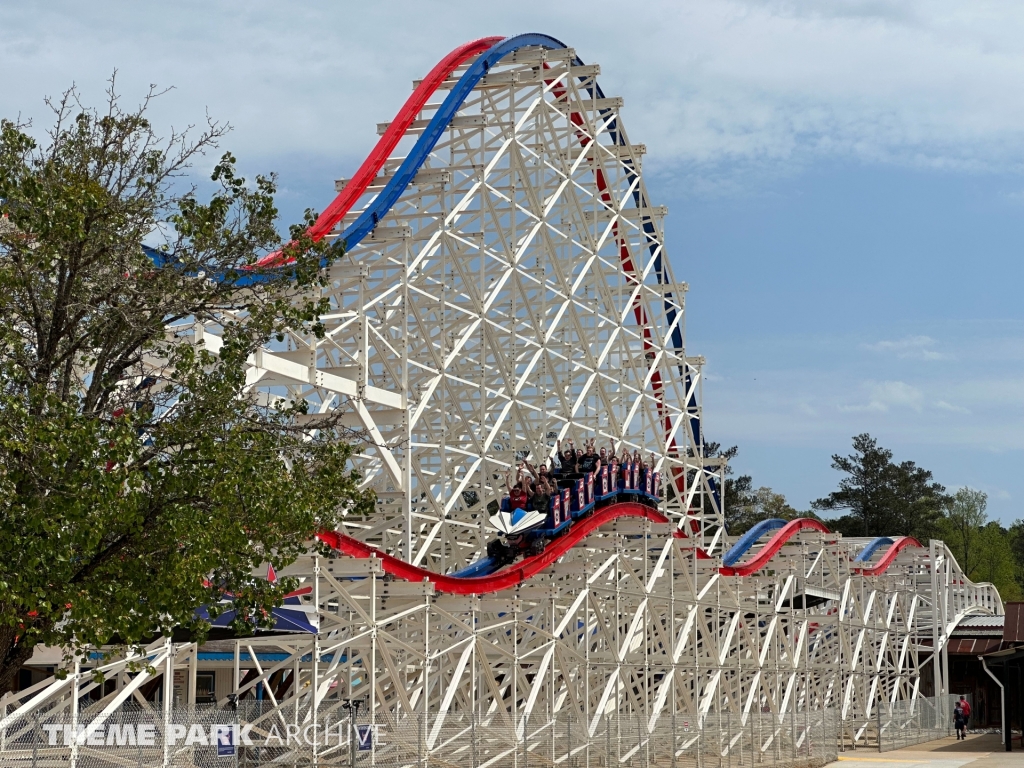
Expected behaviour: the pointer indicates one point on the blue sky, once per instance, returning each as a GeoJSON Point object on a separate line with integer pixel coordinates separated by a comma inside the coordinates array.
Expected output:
{"type": "Point", "coordinates": [845, 183]}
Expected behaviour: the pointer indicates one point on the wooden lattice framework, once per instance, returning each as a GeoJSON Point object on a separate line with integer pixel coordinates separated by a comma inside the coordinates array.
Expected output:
{"type": "Point", "coordinates": [517, 292]}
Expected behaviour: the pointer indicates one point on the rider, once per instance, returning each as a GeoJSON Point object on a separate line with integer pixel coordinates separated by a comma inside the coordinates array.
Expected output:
{"type": "Point", "coordinates": [538, 472]}
{"type": "Point", "coordinates": [589, 461]}
{"type": "Point", "coordinates": [542, 494]}
{"type": "Point", "coordinates": [518, 494]}
{"type": "Point", "coordinates": [568, 458]}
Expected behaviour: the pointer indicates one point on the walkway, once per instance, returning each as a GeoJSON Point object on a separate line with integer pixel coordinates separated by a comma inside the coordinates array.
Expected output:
{"type": "Point", "coordinates": [980, 751]}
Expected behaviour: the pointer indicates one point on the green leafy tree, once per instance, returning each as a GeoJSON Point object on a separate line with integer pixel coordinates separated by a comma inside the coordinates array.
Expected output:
{"type": "Point", "coordinates": [883, 498]}
{"type": "Point", "coordinates": [962, 528]}
{"type": "Point", "coordinates": [758, 505]}
{"type": "Point", "coordinates": [1015, 538]}
{"type": "Point", "coordinates": [996, 562]}
{"type": "Point", "coordinates": [744, 505]}
{"type": "Point", "coordinates": [139, 476]}
{"type": "Point", "coordinates": [736, 492]}
{"type": "Point", "coordinates": [984, 549]}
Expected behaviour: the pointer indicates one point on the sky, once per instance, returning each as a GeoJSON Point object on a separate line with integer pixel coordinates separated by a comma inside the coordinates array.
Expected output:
{"type": "Point", "coordinates": [845, 183]}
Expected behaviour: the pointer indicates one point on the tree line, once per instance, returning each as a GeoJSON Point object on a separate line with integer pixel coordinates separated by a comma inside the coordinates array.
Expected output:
{"type": "Point", "coordinates": [878, 496]}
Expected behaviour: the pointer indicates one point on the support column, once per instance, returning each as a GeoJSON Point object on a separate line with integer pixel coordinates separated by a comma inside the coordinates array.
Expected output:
{"type": "Point", "coordinates": [1008, 717]}
{"type": "Point", "coordinates": [75, 682]}
{"type": "Point", "coordinates": [406, 418]}
{"type": "Point", "coordinates": [168, 695]}
{"type": "Point", "coordinates": [193, 663]}
{"type": "Point", "coordinates": [936, 619]}
{"type": "Point", "coordinates": [371, 670]}
{"type": "Point", "coordinates": [314, 685]}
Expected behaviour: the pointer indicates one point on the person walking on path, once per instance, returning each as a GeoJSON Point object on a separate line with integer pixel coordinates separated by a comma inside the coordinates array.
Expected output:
{"type": "Point", "coordinates": [966, 707]}
{"type": "Point", "coordinates": [959, 723]}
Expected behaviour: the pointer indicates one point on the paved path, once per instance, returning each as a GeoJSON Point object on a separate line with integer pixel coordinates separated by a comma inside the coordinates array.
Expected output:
{"type": "Point", "coordinates": [980, 751]}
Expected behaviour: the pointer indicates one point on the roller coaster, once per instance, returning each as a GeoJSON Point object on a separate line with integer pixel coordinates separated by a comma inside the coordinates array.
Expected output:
{"type": "Point", "coordinates": [505, 285]}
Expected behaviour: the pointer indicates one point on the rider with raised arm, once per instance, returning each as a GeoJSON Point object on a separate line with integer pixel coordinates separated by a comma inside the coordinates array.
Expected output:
{"type": "Point", "coordinates": [541, 500]}
{"type": "Point", "coordinates": [568, 457]}
{"type": "Point", "coordinates": [590, 461]}
{"type": "Point", "coordinates": [538, 472]}
{"type": "Point", "coordinates": [518, 494]}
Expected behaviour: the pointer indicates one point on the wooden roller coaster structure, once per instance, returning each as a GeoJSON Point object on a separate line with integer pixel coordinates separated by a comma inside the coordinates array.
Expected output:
{"type": "Point", "coordinates": [506, 285]}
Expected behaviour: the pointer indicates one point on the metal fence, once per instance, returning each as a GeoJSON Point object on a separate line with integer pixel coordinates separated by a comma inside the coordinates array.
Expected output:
{"type": "Point", "coordinates": [914, 722]}
{"type": "Point", "coordinates": [251, 736]}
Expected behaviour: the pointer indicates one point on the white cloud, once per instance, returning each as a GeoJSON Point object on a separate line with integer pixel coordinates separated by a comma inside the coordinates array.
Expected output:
{"type": "Point", "coordinates": [802, 395]}
{"type": "Point", "coordinates": [992, 392]}
{"type": "Point", "coordinates": [708, 84]}
{"type": "Point", "coordinates": [807, 409]}
{"type": "Point", "coordinates": [883, 395]}
{"type": "Point", "coordinates": [966, 424]}
{"type": "Point", "coordinates": [913, 347]}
